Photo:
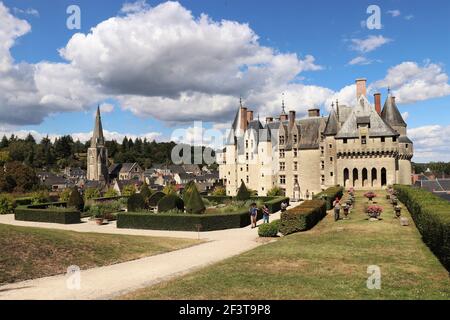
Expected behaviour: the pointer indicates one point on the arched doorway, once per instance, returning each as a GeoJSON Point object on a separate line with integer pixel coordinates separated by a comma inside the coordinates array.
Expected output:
{"type": "Point", "coordinates": [364, 178]}
{"type": "Point", "coordinates": [383, 177]}
{"type": "Point", "coordinates": [355, 177]}
{"type": "Point", "coordinates": [374, 177]}
{"type": "Point", "coordinates": [346, 177]}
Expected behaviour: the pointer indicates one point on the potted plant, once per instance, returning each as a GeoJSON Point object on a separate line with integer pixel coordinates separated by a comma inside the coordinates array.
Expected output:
{"type": "Point", "coordinates": [99, 218]}
{"type": "Point", "coordinates": [370, 195]}
{"type": "Point", "coordinates": [398, 211]}
{"type": "Point", "coordinates": [374, 212]}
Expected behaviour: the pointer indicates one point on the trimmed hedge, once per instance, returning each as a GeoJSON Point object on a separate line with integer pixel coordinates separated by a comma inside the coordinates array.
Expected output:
{"type": "Point", "coordinates": [154, 198]}
{"type": "Point", "coordinates": [329, 195]}
{"type": "Point", "coordinates": [170, 202]}
{"type": "Point", "coordinates": [303, 217]}
{"type": "Point", "coordinates": [431, 215]}
{"type": "Point", "coordinates": [269, 230]}
{"type": "Point", "coordinates": [275, 204]}
{"type": "Point", "coordinates": [41, 213]}
{"type": "Point", "coordinates": [218, 199]}
{"type": "Point", "coordinates": [184, 222]}
{"type": "Point", "coordinates": [25, 201]}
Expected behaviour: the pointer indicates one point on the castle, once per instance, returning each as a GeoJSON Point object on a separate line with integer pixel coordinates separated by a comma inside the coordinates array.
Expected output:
{"type": "Point", "coordinates": [362, 146]}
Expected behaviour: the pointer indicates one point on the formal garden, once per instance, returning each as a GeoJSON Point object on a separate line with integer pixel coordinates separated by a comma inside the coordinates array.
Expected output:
{"type": "Point", "coordinates": [402, 230]}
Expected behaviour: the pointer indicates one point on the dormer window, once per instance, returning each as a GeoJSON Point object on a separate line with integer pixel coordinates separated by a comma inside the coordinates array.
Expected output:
{"type": "Point", "coordinates": [383, 139]}
{"type": "Point", "coordinates": [363, 140]}
{"type": "Point", "coordinates": [394, 139]}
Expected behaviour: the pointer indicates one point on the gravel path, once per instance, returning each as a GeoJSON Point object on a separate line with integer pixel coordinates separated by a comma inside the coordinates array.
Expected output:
{"type": "Point", "coordinates": [111, 281]}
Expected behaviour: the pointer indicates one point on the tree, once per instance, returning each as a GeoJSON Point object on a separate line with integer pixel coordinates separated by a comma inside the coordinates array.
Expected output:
{"type": "Point", "coordinates": [129, 190]}
{"type": "Point", "coordinates": [145, 192]}
{"type": "Point", "coordinates": [76, 200]}
{"type": "Point", "coordinates": [4, 142]}
{"type": "Point", "coordinates": [110, 193]}
{"type": "Point", "coordinates": [65, 195]}
{"type": "Point", "coordinates": [135, 203]}
{"type": "Point", "coordinates": [39, 197]}
{"type": "Point", "coordinates": [194, 204]}
{"type": "Point", "coordinates": [17, 177]}
{"type": "Point", "coordinates": [243, 193]}
{"type": "Point", "coordinates": [275, 192]}
{"type": "Point", "coordinates": [6, 204]}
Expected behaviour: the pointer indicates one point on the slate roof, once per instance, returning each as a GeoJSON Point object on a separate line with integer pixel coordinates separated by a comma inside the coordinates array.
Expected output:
{"type": "Point", "coordinates": [310, 129]}
{"type": "Point", "coordinates": [126, 167]}
{"type": "Point", "coordinates": [404, 139]}
{"type": "Point", "coordinates": [364, 111]}
{"type": "Point", "coordinates": [390, 113]}
{"type": "Point", "coordinates": [332, 125]}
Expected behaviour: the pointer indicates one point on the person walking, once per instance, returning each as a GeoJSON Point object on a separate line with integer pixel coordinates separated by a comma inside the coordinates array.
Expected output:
{"type": "Point", "coordinates": [266, 214]}
{"type": "Point", "coordinates": [337, 208]}
{"type": "Point", "coordinates": [253, 214]}
{"type": "Point", "coordinates": [283, 206]}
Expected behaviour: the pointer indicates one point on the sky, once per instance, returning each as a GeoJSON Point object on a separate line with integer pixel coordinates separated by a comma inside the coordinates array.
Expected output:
{"type": "Point", "coordinates": [157, 69]}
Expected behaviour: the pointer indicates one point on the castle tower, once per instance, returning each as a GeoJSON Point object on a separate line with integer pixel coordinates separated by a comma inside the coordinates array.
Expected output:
{"type": "Point", "coordinates": [97, 159]}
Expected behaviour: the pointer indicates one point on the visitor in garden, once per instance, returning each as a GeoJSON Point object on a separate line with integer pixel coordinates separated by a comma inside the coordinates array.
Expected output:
{"type": "Point", "coordinates": [266, 214]}
{"type": "Point", "coordinates": [337, 208]}
{"type": "Point", "coordinates": [283, 206]}
{"type": "Point", "coordinates": [253, 214]}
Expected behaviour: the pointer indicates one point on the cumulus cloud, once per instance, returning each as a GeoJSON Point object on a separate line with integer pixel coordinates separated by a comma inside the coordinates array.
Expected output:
{"type": "Point", "coordinates": [133, 7]}
{"type": "Point", "coordinates": [106, 108]}
{"type": "Point", "coordinates": [431, 143]}
{"type": "Point", "coordinates": [360, 60]}
{"type": "Point", "coordinates": [411, 82]}
{"type": "Point", "coordinates": [368, 44]}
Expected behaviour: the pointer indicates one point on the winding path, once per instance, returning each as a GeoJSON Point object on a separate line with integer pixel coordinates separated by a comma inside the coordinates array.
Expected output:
{"type": "Point", "coordinates": [114, 280]}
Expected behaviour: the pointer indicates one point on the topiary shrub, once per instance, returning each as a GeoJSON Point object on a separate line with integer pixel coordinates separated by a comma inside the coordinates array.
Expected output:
{"type": "Point", "coordinates": [154, 198]}
{"type": "Point", "coordinates": [75, 199]}
{"type": "Point", "coordinates": [170, 202]}
{"type": "Point", "coordinates": [188, 188]}
{"type": "Point", "coordinates": [145, 192]}
{"type": "Point", "coordinates": [269, 230]}
{"type": "Point", "coordinates": [243, 193]}
{"type": "Point", "coordinates": [135, 202]}
{"type": "Point", "coordinates": [194, 202]}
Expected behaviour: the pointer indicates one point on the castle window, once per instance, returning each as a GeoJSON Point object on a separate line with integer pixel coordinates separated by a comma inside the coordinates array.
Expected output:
{"type": "Point", "coordinates": [246, 156]}
{"type": "Point", "coordinates": [383, 139]}
{"type": "Point", "coordinates": [295, 138]}
{"type": "Point", "coordinates": [394, 139]}
{"type": "Point", "coordinates": [241, 169]}
{"type": "Point", "coordinates": [323, 165]}
{"type": "Point", "coordinates": [281, 139]}
{"type": "Point", "coordinates": [321, 151]}
{"type": "Point", "coordinates": [247, 180]}
{"type": "Point", "coordinates": [246, 143]}
{"type": "Point", "coordinates": [331, 173]}
{"type": "Point", "coordinates": [345, 141]}
{"type": "Point", "coordinates": [406, 145]}
{"type": "Point", "coordinates": [282, 179]}
{"type": "Point", "coordinates": [363, 140]}
{"type": "Point", "coordinates": [282, 166]}
{"type": "Point", "coordinates": [295, 152]}
{"type": "Point", "coordinates": [282, 154]}
{"type": "Point", "coordinates": [247, 167]}
{"type": "Point", "coordinates": [331, 146]}
{"type": "Point", "coordinates": [331, 159]}
{"type": "Point", "coordinates": [295, 166]}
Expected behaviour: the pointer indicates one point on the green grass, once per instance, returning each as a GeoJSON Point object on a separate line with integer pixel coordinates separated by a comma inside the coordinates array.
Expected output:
{"type": "Point", "coordinates": [327, 262]}
{"type": "Point", "coordinates": [28, 253]}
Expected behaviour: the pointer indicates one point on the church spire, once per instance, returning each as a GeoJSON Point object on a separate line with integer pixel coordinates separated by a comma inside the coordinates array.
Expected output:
{"type": "Point", "coordinates": [97, 136]}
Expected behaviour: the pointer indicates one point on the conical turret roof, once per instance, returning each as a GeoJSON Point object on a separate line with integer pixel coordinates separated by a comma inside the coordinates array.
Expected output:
{"type": "Point", "coordinates": [97, 136]}
{"type": "Point", "coordinates": [390, 113]}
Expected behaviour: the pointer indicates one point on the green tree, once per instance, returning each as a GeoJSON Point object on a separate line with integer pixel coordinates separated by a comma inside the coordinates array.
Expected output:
{"type": "Point", "coordinates": [6, 204]}
{"type": "Point", "coordinates": [76, 200]}
{"type": "Point", "coordinates": [65, 195]}
{"type": "Point", "coordinates": [17, 177]}
{"type": "Point", "coordinates": [275, 192]}
{"type": "Point", "coordinates": [128, 190]}
{"type": "Point", "coordinates": [243, 193]}
{"type": "Point", "coordinates": [91, 193]}
{"type": "Point", "coordinates": [111, 192]}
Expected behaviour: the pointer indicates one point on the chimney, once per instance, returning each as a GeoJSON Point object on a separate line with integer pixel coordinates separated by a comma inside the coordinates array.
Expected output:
{"type": "Point", "coordinates": [313, 113]}
{"type": "Point", "coordinates": [377, 100]}
{"type": "Point", "coordinates": [291, 118]}
{"type": "Point", "coordinates": [269, 119]}
{"type": "Point", "coordinates": [249, 115]}
{"type": "Point", "coordinates": [360, 87]}
{"type": "Point", "coordinates": [243, 118]}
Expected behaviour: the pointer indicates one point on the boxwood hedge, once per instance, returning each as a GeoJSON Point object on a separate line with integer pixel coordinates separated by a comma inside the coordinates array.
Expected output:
{"type": "Point", "coordinates": [184, 222]}
{"type": "Point", "coordinates": [303, 217]}
{"type": "Point", "coordinates": [269, 229]}
{"type": "Point", "coordinates": [431, 215]}
{"type": "Point", "coordinates": [329, 195]}
{"type": "Point", "coordinates": [47, 213]}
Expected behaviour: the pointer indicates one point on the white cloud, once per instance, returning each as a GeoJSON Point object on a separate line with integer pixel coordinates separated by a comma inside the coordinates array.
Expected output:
{"type": "Point", "coordinates": [394, 13]}
{"type": "Point", "coordinates": [411, 82]}
{"type": "Point", "coordinates": [133, 7]}
{"type": "Point", "coordinates": [368, 44]}
{"type": "Point", "coordinates": [431, 143]}
{"type": "Point", "coordinates": [29, 11]}
{"type": "Point", "coordinates": [409, 17]}
{"type": "Point", "coordinates": [360, 60]}
{"type": "Point", "coordinates": [106, 108]}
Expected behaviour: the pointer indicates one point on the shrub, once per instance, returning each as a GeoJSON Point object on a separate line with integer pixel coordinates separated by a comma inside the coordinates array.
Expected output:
{"type": "Point", "coordinates": [303, 217]}
{"type": "Point", "coordinates": [184, 221]}
{"type": "Point", "coordinates": [194, 202]}
{"type": "Point", "coordinates": [91, 193]}
{"type": "Point", "coordinates": [135, 202]}
{"type": "Point", "coordinates": [275, 192]}
{"type": "Point", "coordinates": [129, 190]}
{"type": "Point", "coordinates": [51, 212]}
{"type": "Point", "coordinates": [329, 195]}
{"type": "Point", "coordinates": [269, 229]}
{"type": "Point", "coordinates": [111, 193]}
{"type": "Point", "coordinates": [39, 197]}
{"type": "Point", "coordinates": [188, 189]}
{"type": "Point", "coordinates": [145, 192]}
{"type": "Point", "coordinates": [243, 193]}
{"type": "Point", "coordinates": [6, 204]}
{"type": "Point", "coordinates": [76, 200]}
{"type": "Point", "coordinates": [169, 189]}
{"type": "Point", "coordinates": [170, 202]}
{"type": "Point", "coordinates": [431, 215]}
{"type": "Point", "coordinates": [219, 192]}
{"type": "Point", "coordinates": [154, 198]}
{"type": "Point", "coordinates": [65, 195]}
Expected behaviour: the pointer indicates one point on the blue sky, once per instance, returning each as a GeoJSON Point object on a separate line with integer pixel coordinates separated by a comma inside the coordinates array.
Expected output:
{"type": "Point", "coordinates": [413, 43]}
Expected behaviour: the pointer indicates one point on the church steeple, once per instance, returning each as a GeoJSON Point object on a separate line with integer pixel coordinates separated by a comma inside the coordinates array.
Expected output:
{"type": "Point", "coordinates": [97, 136]}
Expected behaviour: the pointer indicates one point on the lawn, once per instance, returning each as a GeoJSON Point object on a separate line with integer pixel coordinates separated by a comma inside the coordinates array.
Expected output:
{"type": "Point", "coordinates": [28, 253]}
{"type": "Point", "coordinates": [327, 262]}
